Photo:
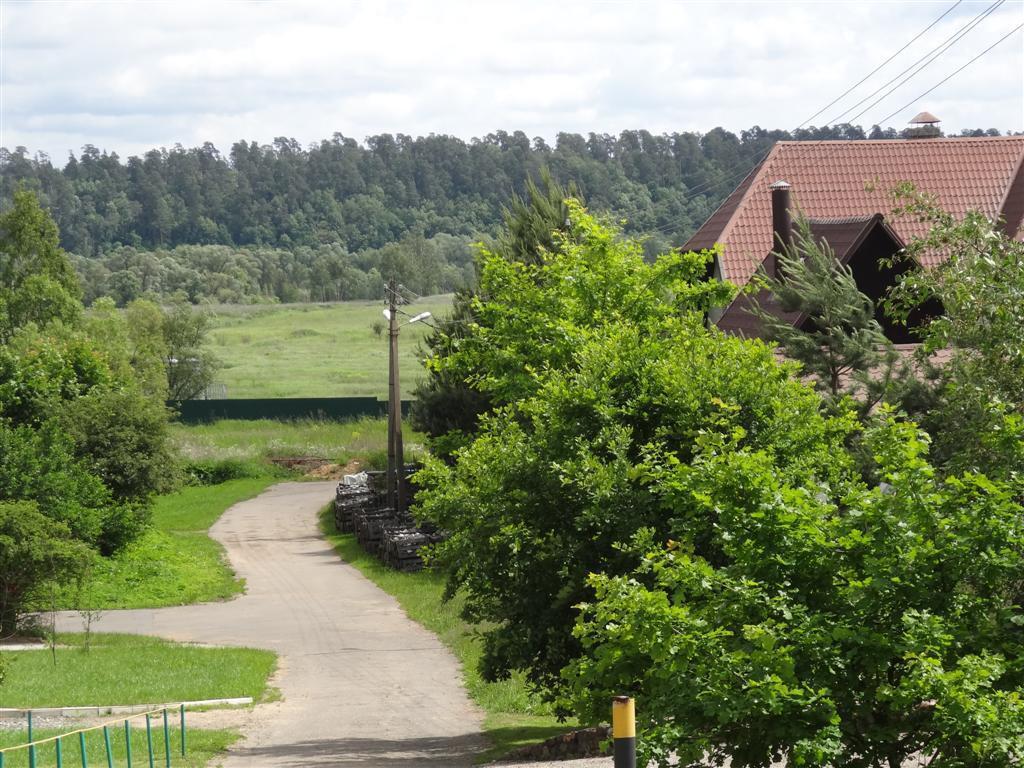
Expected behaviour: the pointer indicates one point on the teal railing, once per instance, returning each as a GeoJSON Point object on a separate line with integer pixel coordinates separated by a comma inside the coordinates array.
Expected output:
{"type": "Point", "coordinates": [32, 749]}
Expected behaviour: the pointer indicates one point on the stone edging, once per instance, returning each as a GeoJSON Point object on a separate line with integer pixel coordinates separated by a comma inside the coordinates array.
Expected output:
{"type": "Point", "coordinates": [123, 709]}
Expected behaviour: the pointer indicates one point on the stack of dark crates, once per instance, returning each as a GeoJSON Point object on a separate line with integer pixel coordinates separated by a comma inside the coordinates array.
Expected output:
{"type": "Point", "coordinates": [391, 535]}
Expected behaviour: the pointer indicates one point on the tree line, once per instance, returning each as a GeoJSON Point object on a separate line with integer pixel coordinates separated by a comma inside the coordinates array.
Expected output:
{"type": "Point", "coordinates": [291, 223]}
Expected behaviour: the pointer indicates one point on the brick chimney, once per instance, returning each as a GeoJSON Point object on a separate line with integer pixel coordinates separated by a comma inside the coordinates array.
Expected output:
{"type": "Point", "coordinates": [782, 225]}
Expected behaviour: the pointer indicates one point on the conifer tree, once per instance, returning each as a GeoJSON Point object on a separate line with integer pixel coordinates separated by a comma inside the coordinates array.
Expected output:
{"type": "Point", "coordinates": [836, 337]}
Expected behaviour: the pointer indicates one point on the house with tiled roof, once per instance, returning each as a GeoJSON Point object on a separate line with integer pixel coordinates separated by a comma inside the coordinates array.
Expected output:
{"type": "Point", "coordinates": [843, 190]}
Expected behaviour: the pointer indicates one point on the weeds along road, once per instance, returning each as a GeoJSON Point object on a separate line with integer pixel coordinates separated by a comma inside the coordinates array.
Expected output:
{"type": "Point", "coordinates": [362, 684]}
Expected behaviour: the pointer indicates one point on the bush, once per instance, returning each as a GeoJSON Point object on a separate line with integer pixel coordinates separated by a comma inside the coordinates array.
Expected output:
{"type": "Point", "coordinates": [217, 471]}
{"type": "Point", "coordinates": [34, 550]}
{"type": "Point", "coordinates": [39, 465]}
{"type": "Point", "coordinates": [609, 373]}
{"type": "Point", "coordinates": [122, 435]}
{"type": "Point", "coordinates": [818, 623]}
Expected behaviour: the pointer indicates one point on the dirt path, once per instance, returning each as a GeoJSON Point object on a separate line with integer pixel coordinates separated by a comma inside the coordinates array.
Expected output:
{"type": "Point", "coordinates": [362, 684]}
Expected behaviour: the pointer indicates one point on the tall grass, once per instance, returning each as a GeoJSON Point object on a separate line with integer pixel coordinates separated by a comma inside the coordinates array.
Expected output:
{"type": "Point", "coordinates": [337, 441]}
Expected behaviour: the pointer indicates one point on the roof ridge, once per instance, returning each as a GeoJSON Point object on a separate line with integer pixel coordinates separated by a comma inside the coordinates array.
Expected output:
{"type": "Point", "coordinates": [844, 219]}
{"type": "Point", "coordinates": [914, 142]}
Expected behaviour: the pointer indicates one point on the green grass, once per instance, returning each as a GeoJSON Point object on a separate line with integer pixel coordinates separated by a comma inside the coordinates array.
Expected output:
{"type": "Point", "coordinates": [131, 669]}
{"type": "Point", "coordinates": [314, 350]}
{"type": "Point", "coordinates": [514, 717]}
{"type": "Point", "coordinates": [175, 562]}
{"type": "Point", "coordinates": [339, 441]}
{"type": "Point", "coordinates": [202, 746]}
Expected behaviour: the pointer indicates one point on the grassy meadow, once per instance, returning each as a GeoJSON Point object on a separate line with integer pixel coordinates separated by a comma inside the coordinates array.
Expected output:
{"type": "Point", "coordinates": [258, 440]}
{"type": "Point", "coordinates": [315, 350]}
{"type": "Point", "coordinates": [131, 669]}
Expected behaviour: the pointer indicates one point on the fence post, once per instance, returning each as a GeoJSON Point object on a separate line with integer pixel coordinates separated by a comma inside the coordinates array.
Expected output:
{"type": "Point", "coordinates": [81, 749]}
{"type": "Point", "coordinates": [128, 742]}
{"type": "Point", "coordinates": [624, 732]}
{"type": "Point", "coordinates": [106, 743]}
{"type": "Point", "coordinates": [167, 740]}
{"type": "Point", "coordinates": [60, 754]}
{"type": "Point", "coordinates": [149, 739]}
{"type": "Point", "coordinates": [182, 730]}
{"type": "Point", "coordinates": [31, 747]}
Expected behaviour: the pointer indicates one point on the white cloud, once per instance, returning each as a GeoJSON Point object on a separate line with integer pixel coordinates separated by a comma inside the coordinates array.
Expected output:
{"type": "Point", "coordinates": [130, 76]}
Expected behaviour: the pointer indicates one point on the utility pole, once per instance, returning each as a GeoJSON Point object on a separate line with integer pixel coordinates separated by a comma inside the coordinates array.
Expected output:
{"type": "Point", "coordinates": [396, 454]}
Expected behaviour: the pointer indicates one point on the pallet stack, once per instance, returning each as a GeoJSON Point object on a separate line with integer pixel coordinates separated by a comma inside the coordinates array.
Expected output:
{"type": "Point", "coordinates": [392, 536]}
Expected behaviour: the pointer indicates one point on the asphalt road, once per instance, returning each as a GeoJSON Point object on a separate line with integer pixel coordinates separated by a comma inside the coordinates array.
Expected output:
{"type": "Point", "coordinates": [362, 684]}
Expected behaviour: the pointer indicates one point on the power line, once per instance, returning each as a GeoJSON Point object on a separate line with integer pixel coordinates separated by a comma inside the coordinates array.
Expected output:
{"type": "Point", "coordinates": [707, 186]}
{"type": "Point", "coordinates": [941, 50]}
{"type": "Point", "coordinates": [937, 51]}
{"type": "Point", "coordinates": [955, 72]}
{"type": "Point", "coordinates": [874, 71]}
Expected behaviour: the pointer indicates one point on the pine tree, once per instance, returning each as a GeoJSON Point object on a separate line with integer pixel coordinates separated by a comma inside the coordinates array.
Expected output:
{"type": "Point", "coordinates": [836, 339]}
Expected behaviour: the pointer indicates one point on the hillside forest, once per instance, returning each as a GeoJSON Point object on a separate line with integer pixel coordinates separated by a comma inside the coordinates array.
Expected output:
{"type": "Point", "coordinates": [283, 222]}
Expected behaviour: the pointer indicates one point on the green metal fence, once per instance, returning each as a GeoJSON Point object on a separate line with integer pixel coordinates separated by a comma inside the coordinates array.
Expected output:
{"type": "Point", "coordinates": [283, 408]}
{"type": "Point", "coordinates": [33, 750]}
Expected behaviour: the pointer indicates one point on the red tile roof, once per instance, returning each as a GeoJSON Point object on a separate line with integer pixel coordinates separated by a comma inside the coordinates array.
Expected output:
{"type": "Point", "coordinates": [836, 179]}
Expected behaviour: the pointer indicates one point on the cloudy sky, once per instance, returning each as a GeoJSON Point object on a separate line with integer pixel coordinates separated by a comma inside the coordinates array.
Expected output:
{"type": "Point", "coordinates": [128, 76]}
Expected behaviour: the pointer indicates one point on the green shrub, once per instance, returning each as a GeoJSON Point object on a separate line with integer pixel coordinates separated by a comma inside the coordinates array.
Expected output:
{"type": "Point", "coordinates": [123, 437]}
{"type": "Point", "coordinates": [34, 550]}
{"type": "Point", "coordinates": [217, 471]}
{"type": "Point", "coordinates": [40, 465]}
{"type": "Point", "coordinates": [816, 623]}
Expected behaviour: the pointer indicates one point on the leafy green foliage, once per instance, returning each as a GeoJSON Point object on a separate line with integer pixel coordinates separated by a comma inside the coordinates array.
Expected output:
{"type": "Point", "coordinates": [123, 438]}
{"type": "Point", "coordinates": [611, 375]}
{"type": "Point", "coordinates": [132, 341]}
{"type": "Point", "coordinates": [977, 394]}
{"type": "Point", "coordinates": [37, 283]}
{"type": "Point", "coordinates": [190, 366]}
{"type": "Point", "coordinates": [447, 406]}
{"type": "Point", "coordinates": [532, 317]}
{"type": "Point", "coordinates": [324, 223]}
{"type": "Point", "coordinates": [823, 623]}
{"type": "Point", "coordinates": [839, 343]}
{"type": "Point", "coordinates": [40, 465]}
{"type": "Point", "coordinates": [81, 438]}
{"type": "Point", "coordinates": [34, 549]}
{"type": "Point", "coordinates": [39, 372]}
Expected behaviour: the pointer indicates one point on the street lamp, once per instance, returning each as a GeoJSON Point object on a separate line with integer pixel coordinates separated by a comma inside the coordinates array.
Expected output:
{"type": "Point", "coordinates": [396, 452]}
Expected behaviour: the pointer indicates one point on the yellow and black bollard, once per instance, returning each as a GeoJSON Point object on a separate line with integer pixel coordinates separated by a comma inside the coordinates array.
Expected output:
{"type": "Point", "coordinates": [624, 732]}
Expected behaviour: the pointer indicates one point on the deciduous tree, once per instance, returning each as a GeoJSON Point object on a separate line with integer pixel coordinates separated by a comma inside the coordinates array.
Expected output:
{"type": "Point", "coordinates": [608, 372]}
{"type": "Point", "coordinates": [37, 282]}
{"type": "Point", "coordinates": [798, 620]}
{"type": "Point", "coordinates": [977, 390]}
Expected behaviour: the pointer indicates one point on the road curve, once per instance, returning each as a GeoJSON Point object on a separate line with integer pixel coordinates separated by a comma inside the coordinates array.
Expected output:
{"type": "Point", "coordinates": [362, 683]}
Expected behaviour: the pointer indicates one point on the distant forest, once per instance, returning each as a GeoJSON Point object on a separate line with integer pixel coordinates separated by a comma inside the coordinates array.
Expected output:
{"type": "Point", "coordinates": [283, 222]}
